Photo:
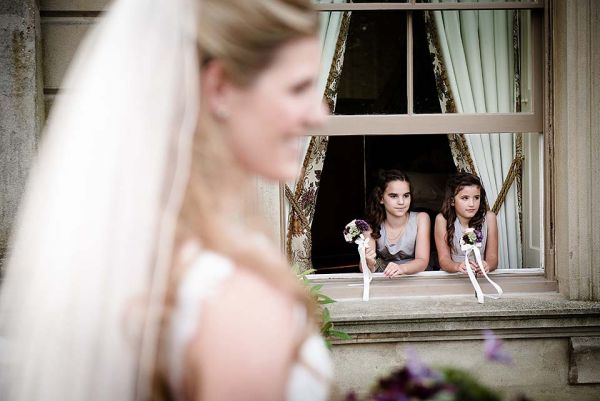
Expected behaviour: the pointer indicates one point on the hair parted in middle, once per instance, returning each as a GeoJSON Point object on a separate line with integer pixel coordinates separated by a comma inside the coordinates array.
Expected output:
{"type": "Point", "coordinates": [454, 185]}
{"type": "Point", "coordinates": [375, 210]}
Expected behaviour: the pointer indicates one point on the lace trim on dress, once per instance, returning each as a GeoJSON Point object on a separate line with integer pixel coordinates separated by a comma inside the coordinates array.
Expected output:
{"type": "Point", "coordinates": [199, 283]}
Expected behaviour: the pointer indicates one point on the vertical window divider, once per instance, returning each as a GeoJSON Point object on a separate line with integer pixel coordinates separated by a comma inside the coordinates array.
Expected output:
{"type": "Point", "coordinates": [409, 64]}
{"type": "Point", "coordinates": [364, 138]}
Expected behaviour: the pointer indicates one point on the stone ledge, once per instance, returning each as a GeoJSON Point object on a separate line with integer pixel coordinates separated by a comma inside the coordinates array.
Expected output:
{"type": "Point", "coordinates": [461, 317]}
{"type": "Point", "coordinates": [348, 287]}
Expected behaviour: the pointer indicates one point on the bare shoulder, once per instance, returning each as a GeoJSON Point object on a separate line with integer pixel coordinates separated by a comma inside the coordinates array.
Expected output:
{"type": "Point", "coordinates": [422, 216]}
{"type": "Point", "coordinates": [246, 298]}
{"type": "Point", "coordinates": [247, 331]}
{"type": "Point", "coordinates": [440, 219]}
{"type": "Point", "coordinates": [490, 216]}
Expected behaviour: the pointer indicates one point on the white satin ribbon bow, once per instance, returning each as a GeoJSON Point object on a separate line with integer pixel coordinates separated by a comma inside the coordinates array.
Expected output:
{"type": "Point", "coordinates": [467, 249]}
{"type": "Point", "coordinates": [367, 277]}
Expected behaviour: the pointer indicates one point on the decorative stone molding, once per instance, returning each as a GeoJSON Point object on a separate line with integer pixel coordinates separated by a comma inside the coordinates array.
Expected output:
{"type": "Point", "coordinates": [576, 131]}
{"type": "Point", "coordinates": [584, 360]}
{"type": "Point", "coordinates": [459, 318]}
{"type": "Point", "coordinates": [537, 330]}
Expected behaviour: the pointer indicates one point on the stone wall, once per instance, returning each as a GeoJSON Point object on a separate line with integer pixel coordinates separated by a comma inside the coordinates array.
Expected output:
{"type": "Point", "coordinates": [554, 343]}
{"type": "Point", "coordinates": [21, 106]}
{"type": "Point", "coordinates": [575, 125]}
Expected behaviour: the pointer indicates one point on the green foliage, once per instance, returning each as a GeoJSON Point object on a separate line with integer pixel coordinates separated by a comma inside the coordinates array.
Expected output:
{"type": "Point", "coordinates": [467, 387]}
{"type": "Point", "coordinates": [328, 330]}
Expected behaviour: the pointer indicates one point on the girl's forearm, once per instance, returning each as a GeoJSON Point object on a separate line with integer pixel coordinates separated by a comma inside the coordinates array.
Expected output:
{"type": "Point", "coordinates": [414, 266]}
{"type": "Point", "coordinates": [492, 264]}
{"type": "Point", "coordinates": [448, 265]}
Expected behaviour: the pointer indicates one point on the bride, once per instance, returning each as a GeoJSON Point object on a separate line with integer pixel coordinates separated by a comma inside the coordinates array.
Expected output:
{"type": "Point", "coordinates": [137, 268]}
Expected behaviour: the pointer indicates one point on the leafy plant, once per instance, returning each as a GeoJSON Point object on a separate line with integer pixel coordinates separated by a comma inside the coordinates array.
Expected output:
{"type": "Point", "coordinates": [418, 381]}
{"type": "Point", "coordinates": [328, 329]}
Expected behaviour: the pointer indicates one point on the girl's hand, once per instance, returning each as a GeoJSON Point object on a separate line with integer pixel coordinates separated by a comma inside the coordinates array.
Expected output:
{"type": "Point", "coordinates": [486, 268]}
{"type": "Point", "coordinates": [393, 270]}
{"type": "Point", "coordinates": [461, 268]}
{"type": "Point", "coordinates": [370, 255]}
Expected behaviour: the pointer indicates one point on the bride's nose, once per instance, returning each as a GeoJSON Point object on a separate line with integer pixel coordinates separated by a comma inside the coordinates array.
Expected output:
{"type": "Point", "coordinates": [318, 115]}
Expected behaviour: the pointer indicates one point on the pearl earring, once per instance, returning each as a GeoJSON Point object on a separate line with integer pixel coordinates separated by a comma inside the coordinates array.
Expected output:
{"type": "Point", "coordinates": [221, 114]}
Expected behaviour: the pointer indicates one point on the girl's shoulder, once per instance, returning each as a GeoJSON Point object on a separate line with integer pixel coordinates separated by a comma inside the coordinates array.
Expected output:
{"type": "Point", "coordinates": [440, 219]}
{"type": "Point", "coordinates": [422, 217]}
{"type": "Point", "coordinates": [490, 216]}
{"type": "Point", "coordinates": [490, 220]}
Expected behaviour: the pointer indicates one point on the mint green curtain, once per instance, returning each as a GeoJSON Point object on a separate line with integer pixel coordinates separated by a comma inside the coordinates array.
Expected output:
{"type": "Point", "coordinates": [477, 53]}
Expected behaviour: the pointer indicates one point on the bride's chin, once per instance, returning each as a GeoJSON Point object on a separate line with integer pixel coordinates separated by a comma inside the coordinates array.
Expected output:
{"type": "Point", "coordinates": [284, 172]}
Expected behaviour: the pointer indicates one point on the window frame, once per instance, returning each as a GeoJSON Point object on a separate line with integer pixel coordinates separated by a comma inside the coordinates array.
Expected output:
{"type": "Point", "coordinates": [537, 120]}
{"type": "Point", "coordinates": [440, 123]}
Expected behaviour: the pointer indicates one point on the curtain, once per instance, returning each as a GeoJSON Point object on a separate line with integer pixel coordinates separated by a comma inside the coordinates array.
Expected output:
{"type": "Point", "coordinates": [301, 195]}
{"type": "Point", "coordinates": [475, 59]}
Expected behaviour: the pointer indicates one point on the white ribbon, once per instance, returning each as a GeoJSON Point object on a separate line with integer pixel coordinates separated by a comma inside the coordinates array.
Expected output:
{"type": "Point", "coordinates": [367, 277]}
{"type": "Point", "coordinates": [467, 248]}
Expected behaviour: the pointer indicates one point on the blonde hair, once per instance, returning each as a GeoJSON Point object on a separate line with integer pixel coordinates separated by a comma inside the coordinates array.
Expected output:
{"type": "Point", "coordinates": [245, 35]}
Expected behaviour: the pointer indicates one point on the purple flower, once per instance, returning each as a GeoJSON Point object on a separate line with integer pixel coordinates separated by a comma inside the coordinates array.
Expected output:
{"type": "Point", "coordinates": [362, 225]}
{"type": "Point", "coordinates": [354, 229]}
{"type": "Point", "coordinates": [417, 369]}
{"type": "Point", "coordinates": [493, 348]}
{"type": "Point", "coordinates": [472, 236]}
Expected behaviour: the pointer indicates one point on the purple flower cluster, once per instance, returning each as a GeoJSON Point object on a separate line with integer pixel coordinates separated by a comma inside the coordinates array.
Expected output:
{"type": "Point", "coordinates": [472, 237]}
{"type": "Point", "coordinates": [493, 349]}
{"type": "Point", "coordinates": [417, 381]}
{"type": "Point", "coordinates": [354, 229]}
{"type": "Point", "coordinates": [414, 381]}
{"type": "Point", "coordinates": [362, 225]}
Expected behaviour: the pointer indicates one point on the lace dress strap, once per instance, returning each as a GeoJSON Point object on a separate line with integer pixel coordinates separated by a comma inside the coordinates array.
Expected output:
{"type": "Point", "coordinates": [200, 281]}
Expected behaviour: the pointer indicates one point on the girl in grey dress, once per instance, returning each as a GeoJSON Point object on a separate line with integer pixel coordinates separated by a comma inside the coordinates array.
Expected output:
{"type": "Point", "coordinates": [399, 242]}
{"type": "Point", "coordinates": [464, 206]}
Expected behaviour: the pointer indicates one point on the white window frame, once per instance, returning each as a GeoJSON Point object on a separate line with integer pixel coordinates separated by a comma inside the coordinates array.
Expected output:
{"type": "Point", "coordinates": [347, 286]}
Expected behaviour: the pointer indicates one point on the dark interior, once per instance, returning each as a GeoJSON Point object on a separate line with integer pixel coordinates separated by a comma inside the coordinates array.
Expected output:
{"type": "Point", "coordinates": [373, 81]}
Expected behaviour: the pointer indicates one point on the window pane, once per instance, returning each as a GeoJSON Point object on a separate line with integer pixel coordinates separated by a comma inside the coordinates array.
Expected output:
{"type": "Point", "coordinates": [480, 61]}
{"type": "Point", "coordinates": [373, 77]}
{"type": "Point", "coordinates": [466, 1]}
{"type": "Point", "coordinates": [428, 160]}
{"type": "Point", "coordinates": [358, 1]}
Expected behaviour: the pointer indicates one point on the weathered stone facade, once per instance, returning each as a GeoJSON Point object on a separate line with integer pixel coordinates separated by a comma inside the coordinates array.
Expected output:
{"type": "Point", "coordinates": [21, 104]}
{"type": "Point", "coordinates": [553, 335]}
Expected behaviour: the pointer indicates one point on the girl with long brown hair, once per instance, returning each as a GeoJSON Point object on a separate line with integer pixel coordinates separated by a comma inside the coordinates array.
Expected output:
{"type": "Point", "coordinates": [399, 241]}
{"type": "Point", "coordinates": [464, 206]}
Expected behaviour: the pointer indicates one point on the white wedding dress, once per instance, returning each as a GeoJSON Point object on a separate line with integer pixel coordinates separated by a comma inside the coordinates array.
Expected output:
{"type": "Point", "coordinates": [202, 280]}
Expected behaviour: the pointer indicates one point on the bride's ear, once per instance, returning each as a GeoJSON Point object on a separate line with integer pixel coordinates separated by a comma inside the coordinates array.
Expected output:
{"type": "Point", "coordinates": [217, 89]}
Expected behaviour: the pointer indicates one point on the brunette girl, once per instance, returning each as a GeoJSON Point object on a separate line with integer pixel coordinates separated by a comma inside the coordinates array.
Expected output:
{"type": "Point", "coordinates": [399, 242]}
{"type": "Point", "coordinates": [464, 206]}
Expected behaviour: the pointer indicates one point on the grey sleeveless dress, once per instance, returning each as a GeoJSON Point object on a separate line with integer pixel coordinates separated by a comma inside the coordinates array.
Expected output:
{"type": "Point", "coordinates": [457, 254]}
{"type": "Point", "coordinates": [403, 250]}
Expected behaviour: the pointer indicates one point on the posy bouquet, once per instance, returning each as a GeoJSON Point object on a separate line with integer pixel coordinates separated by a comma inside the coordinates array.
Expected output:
{"type": "Point", "coordinates": [471, 242]}
{"type": "Point", "coordinates": [355, 229]}
{"type": "Point", "coordinates": [354, 233]}
{"type": "Point", "coordinates": [471, 237]}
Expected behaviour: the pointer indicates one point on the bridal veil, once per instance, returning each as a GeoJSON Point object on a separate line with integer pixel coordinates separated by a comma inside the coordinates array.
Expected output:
{"type": "Point", "coordinates": [92, 245]}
